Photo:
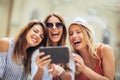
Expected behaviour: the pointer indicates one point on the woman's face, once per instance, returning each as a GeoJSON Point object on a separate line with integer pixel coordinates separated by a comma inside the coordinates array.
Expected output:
{"type": "Point", "coordinates": [76, 37]}
{"type": "Point", "coordinates": [35, 35]}
{"type": "Point", "coordinates": [55, 29]}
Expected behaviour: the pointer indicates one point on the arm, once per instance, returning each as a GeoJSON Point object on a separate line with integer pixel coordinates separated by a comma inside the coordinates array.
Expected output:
{"type": "Point", "coordinates": [65, 75]}
{"type": "Point", "coordinates": [108, 66]}
{"type": "Point", "coordinates": [39, 74]}
{"type": "Point", "coordinates": [108, 62]}
{"type": "Point", "coordinates": [57, 70]}
{"type": "Point", "coordinates": [38, 66]}
{"type": "Point", "coordinates": [4, 44]}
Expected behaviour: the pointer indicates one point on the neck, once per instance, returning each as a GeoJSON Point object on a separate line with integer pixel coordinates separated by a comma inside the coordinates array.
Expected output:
{"type": "Point", "coordinates": [54, 44]}
{"type": "Point", "coordinates": [88, 59]}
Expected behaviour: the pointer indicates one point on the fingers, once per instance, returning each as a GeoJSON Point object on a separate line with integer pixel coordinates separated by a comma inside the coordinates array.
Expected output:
{"type": "Point", "coordinates": [42, 60]}
{"type": "Point", "coordinates": [44, 63]}
{"type": "Point", "coordinates": [50, 70]}
{"type": "Point", "coordinates": [59, 69]}
{"type": "Point", "coordinates": [79, 62]}
{"type": "Point", "coordinates": [77, 58]}
{"type": "Point", "coordinates": [56, 70]}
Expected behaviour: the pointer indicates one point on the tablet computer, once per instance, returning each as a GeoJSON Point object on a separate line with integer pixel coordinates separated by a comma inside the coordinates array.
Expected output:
{"type": "Point", "coordinates": [59, 54]}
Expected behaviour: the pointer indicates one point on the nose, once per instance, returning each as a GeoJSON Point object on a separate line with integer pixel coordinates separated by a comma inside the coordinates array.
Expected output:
{"type": "Point", "coordinates": [37, 35]}
{"type": "Point", "coordinates": [74, 35]}
{"type": "Point", "coordinates": [54, 26]}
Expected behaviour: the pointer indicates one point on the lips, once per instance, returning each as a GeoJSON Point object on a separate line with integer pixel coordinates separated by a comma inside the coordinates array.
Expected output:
{"type": "Point", "coordinates": [34, 39]}
{"type": "Point", "coordinates": [55, 34]}
{"type": "Point", "coordinates": [77, 42]}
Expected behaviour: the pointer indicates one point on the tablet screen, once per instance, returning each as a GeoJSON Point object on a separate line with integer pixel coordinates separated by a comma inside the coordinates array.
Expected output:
{"type": "Point", "coordinates": [59, 54]}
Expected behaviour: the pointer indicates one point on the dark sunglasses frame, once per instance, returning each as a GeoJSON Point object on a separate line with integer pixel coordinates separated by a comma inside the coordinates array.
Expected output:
{"type": "Point", "coordinates": [57, 24]}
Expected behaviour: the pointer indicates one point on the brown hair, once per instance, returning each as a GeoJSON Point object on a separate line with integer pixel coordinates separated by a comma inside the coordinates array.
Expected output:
{"type": "Point", "coordinates": [20, 54]}
{"type": "Point", "coordinates": [62, 42]}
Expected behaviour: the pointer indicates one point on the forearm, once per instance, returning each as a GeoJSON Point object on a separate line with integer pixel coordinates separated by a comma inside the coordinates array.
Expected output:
{"type": "Point", "coordinates": [66, 76]}
{"type": "Point", "coordinates": [39, 75]}
{"type": "Point", "coordinates": [92, 75]}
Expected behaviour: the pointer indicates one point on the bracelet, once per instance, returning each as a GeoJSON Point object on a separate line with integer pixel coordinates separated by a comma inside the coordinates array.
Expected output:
{"type": "Point", "coordinates": [61, 71]}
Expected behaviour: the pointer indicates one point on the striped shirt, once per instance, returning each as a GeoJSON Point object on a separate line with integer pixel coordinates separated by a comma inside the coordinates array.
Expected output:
{"type": "Point", "coordinates": [9, 70]}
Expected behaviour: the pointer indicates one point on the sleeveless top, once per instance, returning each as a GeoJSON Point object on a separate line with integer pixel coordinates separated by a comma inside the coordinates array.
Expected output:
{"type": "Point", "coordinates": [98, 68]}
{"type": "Point", "coordinates": [9, 70]}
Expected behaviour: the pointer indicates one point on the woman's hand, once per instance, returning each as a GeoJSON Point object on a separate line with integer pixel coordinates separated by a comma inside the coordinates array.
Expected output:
{"type": "Point", "coordinates": [42, 60]}
{"type": "Point", "coordinates": [56, 70]}
{"type": "Point", "coordinates": [79, 62]}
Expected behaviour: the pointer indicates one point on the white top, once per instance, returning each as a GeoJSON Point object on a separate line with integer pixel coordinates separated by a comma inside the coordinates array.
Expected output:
{"type": "Point", "coordinates": [46, 75]}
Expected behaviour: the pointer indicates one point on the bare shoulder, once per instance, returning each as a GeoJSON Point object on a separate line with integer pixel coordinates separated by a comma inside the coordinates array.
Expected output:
{"type": "Point", "coordinates": [106, 50]}
{"type": "Point", "coordinates": [106, 47]}
{"type": "Point", "coordinates": [4, 44]}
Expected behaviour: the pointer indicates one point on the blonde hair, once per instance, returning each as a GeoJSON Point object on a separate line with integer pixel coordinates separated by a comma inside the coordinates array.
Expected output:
{"type": "Point", "coordinates": [89, 38]}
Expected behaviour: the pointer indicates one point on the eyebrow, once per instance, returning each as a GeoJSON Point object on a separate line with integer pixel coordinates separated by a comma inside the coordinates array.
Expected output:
{"type": "Point", "coordinates": [36, 28]}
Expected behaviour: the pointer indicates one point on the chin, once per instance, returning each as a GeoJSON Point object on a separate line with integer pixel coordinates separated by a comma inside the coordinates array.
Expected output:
{"type": "Point", "coordinates": [32, 45]}
{"type": "Point", "coordinates": [76, 48]}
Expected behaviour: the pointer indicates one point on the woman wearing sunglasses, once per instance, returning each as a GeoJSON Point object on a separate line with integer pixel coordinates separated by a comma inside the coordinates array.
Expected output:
{"type": "Point", "coordinates": [56, 31]}
{"type": "Point", "coordinates": [15, 54]}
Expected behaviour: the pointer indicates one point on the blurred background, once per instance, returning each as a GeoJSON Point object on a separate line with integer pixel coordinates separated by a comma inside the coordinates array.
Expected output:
{"type": "Point", "coordinates": [103, 15]}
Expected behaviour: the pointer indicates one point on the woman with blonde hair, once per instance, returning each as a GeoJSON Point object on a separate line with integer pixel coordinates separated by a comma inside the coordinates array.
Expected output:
{"type": "Point", "coordinates": [93, 61]}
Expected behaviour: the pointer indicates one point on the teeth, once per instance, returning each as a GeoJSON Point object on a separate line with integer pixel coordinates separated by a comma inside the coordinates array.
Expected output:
{"type": "Point", "coordinates": [76, 41]}
{"type": "Point", "coordinates": [34, 40]}
{"type": "Point", "coordinates": [55, 33]}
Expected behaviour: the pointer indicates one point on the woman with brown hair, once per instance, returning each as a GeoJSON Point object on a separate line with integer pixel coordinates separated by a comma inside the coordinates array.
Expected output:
{"type": "Point", "coordinates": [56, 31]}
{"type": "Point", "coordinates": [15, 54]}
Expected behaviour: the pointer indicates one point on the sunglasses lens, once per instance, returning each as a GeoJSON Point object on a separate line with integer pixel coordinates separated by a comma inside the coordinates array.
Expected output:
{"type": "Point", "coordinates": [59, 25]}
{"type": "Point", "coordinates": [49, 25]}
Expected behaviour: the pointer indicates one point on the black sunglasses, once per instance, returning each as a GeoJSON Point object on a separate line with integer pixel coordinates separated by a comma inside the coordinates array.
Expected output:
{"type": "Point", "coordinates": [58, 25]}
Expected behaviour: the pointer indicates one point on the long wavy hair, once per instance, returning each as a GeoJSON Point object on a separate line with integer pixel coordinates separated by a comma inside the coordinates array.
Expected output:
{"type": "Point", "coordinates": [89, 39]}
{"type": "Point", "coordinates": [21, 55]}
{"type": "Point", "coordinates": [62, 41]}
